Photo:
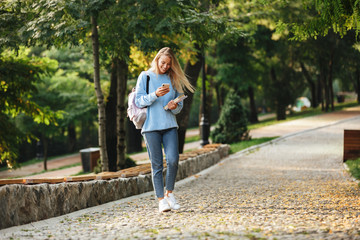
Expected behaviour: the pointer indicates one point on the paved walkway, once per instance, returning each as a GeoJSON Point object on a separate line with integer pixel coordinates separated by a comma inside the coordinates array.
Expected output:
{"type": "Point", "coordinates": [293, 188]}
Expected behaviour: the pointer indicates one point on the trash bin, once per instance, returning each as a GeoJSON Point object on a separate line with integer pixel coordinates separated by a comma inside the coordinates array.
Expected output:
{"type": "Point", "coordinates": [340, 98]}
{"type": "Point", "coordinates": [89, 158]}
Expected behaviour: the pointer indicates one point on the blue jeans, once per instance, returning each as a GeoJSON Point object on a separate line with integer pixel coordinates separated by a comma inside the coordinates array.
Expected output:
{"type": "Point", "coordinates": [154, 141]}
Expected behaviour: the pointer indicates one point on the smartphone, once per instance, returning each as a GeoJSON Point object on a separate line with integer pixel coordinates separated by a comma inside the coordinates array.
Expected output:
{"type": "Point", "coordinates": [167, 85]}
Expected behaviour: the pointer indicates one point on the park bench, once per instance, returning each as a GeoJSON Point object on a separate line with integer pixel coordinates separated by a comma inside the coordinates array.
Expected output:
{"type": "Point", "coordinates": [351, 144]}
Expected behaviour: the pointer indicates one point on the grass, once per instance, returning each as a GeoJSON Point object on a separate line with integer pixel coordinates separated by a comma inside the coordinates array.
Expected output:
{"type": "Point", "coordinates": [354, 167]}
{"type": "Point", "coordinates": [192, 139]}
{"type": "Point", "coordinates": [50, 170]}
{"type": "Point", "coordinates": [297, 115]}
{"type": "Point", "coordinates": [35, 160]}
{"type": "Point", "coordinates": [236, 147]}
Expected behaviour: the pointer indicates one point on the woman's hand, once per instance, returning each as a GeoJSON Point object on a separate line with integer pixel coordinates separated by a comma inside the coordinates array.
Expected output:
{"type": "Point", "coordinates": [172, 105]}
{"type": "Point", "coordinates": [161, 91]}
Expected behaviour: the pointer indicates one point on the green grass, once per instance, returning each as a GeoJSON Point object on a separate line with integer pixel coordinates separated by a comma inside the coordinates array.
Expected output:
{"type": "Point", "coordinates": [192, 139]}
{"type": "Point", "coordinates": [50, 170]}
{"type": "Point", "coordinates": [236, 147]}
{"type": "Point", "coordinates": [297, 115]}
{"type": "Point", "coordinates": [354, 167]}
{"type": "Point", "coordinates": [36, 160]}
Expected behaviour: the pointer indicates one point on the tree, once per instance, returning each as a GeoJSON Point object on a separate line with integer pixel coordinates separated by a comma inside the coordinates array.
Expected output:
{"type": "Point", "coordinates": [99, 93]}
{"type": "Point", "coordinates": [232, 124]}
{"type": "Point", "coordinates": [202, 23]}
{"type": "Point", "coordinates": [238, 68]}
{"type": "Point", "coordinates": [59, 23]}
{"type": "Point", "coordinates": [71, 95]}
{"type": "Point", "coordinates": [349, 61]}
{"type": "Point", "coordinates": [282, 82]}
{"type": "Point", "coordinates": [128, 29]}
{"type": "Point", "coordinates": [18, 78]}
{"type": "Point", "coordinates": [340, 16]}
{"type": "Point", "coordinates": [192, 71]}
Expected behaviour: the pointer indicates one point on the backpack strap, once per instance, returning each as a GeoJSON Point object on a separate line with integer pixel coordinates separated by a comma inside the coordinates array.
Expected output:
{"type": "Point", "coordinates": [147, 82]}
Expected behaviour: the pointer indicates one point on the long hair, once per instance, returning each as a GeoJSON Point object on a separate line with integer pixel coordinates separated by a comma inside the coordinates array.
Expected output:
{"type": "Point", "coordinates": [176, 74]}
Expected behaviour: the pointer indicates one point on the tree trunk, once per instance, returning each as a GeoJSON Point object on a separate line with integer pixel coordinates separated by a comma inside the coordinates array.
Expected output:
{"type": "Point", "coordinates": [357, 85]}
{"type": "Point", "coordinates": [219, 96]}
{"type": "Point", "coordinates": [280, 109]}
{"type": "Point", "coordinates": [320, 91]}
{"type": "Point", "coordinates": [111, 136]}
{"type": "Point", "coordinates": [85, 138]}
{"type": "Point", "coordinates": [99, 95]}
{"type": "Point", "coordinates": [133, 138]}
{"type": "Point", "coordinates": [314, 102]}
{"type": "Point", "coordinates": [253, 111]}
{"type": "Point", "coordinates": [210, 73]}
{"type": "Point", "coordinates": [192, 72]}
{"type": "Point", "coordinates": [45, 145]}
{"type": "Point", "coordinates": [209, 99]}
{"type": "Point", "coordinates": [324, 87]}
{"type": "Point", "coordinates": [71, 137]}
{"type": "Point", "coordinates": [280, 112]}
{"type": "Point", "coordinates": [122, 70]}
{"type": "Point", "coordinates": [330, 81]}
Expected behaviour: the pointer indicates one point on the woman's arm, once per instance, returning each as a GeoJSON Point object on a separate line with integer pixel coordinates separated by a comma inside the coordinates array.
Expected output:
{"type": "Point", "coordinates": [142, 98]}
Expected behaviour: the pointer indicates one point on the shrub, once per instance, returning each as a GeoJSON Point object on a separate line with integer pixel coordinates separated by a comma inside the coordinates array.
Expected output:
{"type": "Point", "coordinates": [232, 124]}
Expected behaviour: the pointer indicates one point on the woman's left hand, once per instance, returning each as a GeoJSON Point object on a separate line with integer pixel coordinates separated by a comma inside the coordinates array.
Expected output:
{"type": "Point", "coordinates": [172, 105]}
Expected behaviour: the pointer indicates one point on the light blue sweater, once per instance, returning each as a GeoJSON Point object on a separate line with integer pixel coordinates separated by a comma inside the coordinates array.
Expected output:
{"type": "Point", "coordinates": [157, 117]}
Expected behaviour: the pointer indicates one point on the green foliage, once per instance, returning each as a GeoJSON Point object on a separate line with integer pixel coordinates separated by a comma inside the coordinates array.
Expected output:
{"type": "Point", "coordinates": [232, 124]}
{"type": "Point", "coordinates": [19, 76]}
{"type": "Point", "coordinates": [323, 15]}
{"type": "Point", "coordinates": [237, 67]}
{"type": "Point", "coordinates": [55, 22]}
{"type": "Point", "coordinates": [129, 162]}
{"type": "Point", "coordinates": [11, 19]}
{"type": "Point", "coordinates": [282, 88]}
{"type": "Point", "coordinates": [68, 92]}
{"type": "Point", "coordinates": [354, 167]}
{"type": "Point", "coordinates": [202, 22]}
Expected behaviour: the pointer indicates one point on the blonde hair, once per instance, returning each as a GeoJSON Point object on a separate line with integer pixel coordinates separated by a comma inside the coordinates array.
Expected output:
{"type": "Point", "coordinates": [176, 74]}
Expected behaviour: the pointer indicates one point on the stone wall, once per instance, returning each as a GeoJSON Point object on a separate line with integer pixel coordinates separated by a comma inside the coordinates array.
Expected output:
{"type": "Point", "coordinates": [21, 204]}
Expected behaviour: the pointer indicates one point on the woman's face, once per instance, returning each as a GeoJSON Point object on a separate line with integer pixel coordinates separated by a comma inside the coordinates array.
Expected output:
{"type": "Point", "coordinates": [164, 64]}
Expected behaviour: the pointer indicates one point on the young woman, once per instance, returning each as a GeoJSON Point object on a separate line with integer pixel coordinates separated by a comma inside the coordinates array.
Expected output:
{"type": "Point", "coordinates": [167, 81]}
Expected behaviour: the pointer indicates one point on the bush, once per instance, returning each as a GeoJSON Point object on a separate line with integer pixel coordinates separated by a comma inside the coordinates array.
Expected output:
{"type": "Point", "coordinates": [354, 167]}
{"type": "Point", "coordinates": [232, 124]}
{"type": "Point", "coordinates": [128, 164]}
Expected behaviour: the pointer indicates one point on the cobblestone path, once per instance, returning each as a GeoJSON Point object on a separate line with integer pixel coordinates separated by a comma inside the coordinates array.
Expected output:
{"type": "Point", "coordinates": [294, 188]}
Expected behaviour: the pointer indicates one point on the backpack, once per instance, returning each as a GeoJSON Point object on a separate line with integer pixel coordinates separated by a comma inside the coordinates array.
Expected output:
{"type": "Point", "coordinates": [137, 115]}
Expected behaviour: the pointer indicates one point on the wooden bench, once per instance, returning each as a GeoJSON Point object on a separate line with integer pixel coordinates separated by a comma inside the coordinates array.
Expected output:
{"type": "Point", "coordinates": [351, 144]}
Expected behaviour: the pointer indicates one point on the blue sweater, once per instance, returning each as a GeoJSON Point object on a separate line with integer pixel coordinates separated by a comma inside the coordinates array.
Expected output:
{"type": "Point", "coordinates": [157, 117]}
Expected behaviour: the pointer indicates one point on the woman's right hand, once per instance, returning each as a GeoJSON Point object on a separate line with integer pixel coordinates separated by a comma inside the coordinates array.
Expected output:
{"type": "Point", "coordinates": [161, 91]}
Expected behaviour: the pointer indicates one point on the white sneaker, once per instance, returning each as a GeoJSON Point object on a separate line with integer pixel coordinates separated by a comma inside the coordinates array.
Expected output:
{"type": "Point", "coordinates": [164, 206]}
{"type": "Point", "coordinates": [172, 201]}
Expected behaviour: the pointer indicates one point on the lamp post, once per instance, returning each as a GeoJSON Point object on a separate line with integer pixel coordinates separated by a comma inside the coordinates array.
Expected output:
{"type": "Point", "coordinates": [204, 122]}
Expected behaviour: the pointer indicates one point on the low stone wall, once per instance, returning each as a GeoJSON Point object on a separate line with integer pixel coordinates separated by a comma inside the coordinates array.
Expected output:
{"type": "Point", "coordinates": [21, 204]}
